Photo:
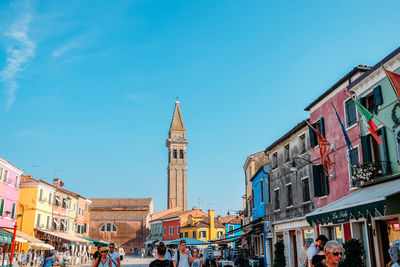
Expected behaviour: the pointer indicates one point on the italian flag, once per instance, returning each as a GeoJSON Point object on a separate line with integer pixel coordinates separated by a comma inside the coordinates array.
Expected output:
{"type": "Point", "coordinates": [366, 116]}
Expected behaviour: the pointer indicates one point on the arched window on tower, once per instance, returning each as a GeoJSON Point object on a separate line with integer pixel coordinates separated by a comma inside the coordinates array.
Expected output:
{"type": "Point", "coordinates": [181, 153]}
{"type": "Point", "coordinates": [175, 154]}
{"type": "Point", "coordinates": [108, 227]}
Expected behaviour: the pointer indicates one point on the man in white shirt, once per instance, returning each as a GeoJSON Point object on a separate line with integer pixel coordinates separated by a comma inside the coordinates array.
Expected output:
{"type": "Point", "coordinates": [182, 257]}
{"type": "Point", "coordinates": [114, 256]}
{"type": "Point", "coordinates": [313, 249]}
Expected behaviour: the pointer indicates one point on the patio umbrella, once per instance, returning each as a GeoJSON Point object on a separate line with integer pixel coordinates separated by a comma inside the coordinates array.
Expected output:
{"type": "Point", "coordinates": [189, 242]}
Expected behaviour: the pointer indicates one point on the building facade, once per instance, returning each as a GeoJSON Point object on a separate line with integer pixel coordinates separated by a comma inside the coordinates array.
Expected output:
{"type": "Point", "coordinates": [124, 221]}
{"type": "Point", "coordinates": [291, 191]}
{"type": "Point", "coordinates": [204, 228]}
{"type": "Point", "coordinates": [10, 180]}
{"type": "Point", "coordinates": [177, 166]}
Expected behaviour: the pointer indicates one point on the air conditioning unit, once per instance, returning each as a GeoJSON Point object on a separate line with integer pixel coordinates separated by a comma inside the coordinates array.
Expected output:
{"type": "Point", "coordinates": [267, 226]}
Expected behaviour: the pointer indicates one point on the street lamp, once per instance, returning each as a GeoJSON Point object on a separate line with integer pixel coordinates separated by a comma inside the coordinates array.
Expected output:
{"type": "Point", "coordinates": [293, 167]}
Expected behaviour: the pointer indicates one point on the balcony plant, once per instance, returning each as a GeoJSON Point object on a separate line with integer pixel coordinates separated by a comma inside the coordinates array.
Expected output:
{"type": "Point", "coordinates": [366, 171]}
{"type": "Point", "coordinates": [279, 260]}
{"type": "Point", "coordinates": [353, 253]}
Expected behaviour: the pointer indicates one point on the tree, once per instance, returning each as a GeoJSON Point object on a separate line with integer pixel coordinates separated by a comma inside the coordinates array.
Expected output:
{"type": "Point", "coordinates": [279, 259]}
{"type": "Point", "coordinates": [353, 253]}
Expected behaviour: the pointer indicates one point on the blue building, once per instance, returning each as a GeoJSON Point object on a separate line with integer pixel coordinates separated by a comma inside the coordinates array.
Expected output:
{"type": "Point", "coordinates": [259, 199]}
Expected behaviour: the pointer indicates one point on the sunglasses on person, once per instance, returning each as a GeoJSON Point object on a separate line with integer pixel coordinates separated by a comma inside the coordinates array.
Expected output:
{"type": "Point", "coordinates": [105, 251]}
{"type": "Point", "coordinates": [336, 253]}
{"type": "Point", "coordinates": [111, 247]}
{"type": "Point", "coordinates": [195, 251]}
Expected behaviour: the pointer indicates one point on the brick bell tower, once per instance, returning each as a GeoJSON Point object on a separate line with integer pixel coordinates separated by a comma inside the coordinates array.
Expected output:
{"type": "Point", "coordinates": [177, 167]}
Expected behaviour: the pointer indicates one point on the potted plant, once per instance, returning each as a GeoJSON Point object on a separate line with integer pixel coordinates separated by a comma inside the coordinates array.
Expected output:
{"type": "Point", "coordinates": [366, 171]}
{"type": "Point", "coordinates": [353, 253]}
{"type": "Point", "coordinates": [279, 252]}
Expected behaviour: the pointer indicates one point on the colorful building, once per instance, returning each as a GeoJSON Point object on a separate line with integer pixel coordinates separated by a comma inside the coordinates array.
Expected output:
{"type": "Point", "coordinates": [9, 186]}
{"type": "Point", "coordinates": [203, 228]}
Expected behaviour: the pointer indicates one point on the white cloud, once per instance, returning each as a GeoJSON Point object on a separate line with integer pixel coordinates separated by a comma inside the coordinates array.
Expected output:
{"type": "Point", "coordinates": [74, 43]}
{"type": "Point", "coordinates": [20, 50]}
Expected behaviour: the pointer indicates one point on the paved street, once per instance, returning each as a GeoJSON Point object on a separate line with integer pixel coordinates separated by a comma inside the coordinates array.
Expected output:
{"type": "Point", "coordinates": [132, 261]}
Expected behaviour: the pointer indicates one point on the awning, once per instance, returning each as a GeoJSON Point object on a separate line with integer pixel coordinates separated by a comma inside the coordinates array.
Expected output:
{"type": "Point", "coordinates": [5, 237]}
{"type": "Point", "coordinates": [63, 237]}
{"type": "Point", "coordinates": [22, 237]}
{"type": "Point", "coordinates": [148, 242]}
{"type": "Point", "coordinates": [369, 200]}
{"type": "Point", "coordinates": [96, 241]}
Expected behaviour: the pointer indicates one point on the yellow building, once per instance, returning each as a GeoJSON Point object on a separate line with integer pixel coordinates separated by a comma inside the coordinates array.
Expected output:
{"type": "Point", "coordinates": [72, 208]}
{"type": "Point", "coordinates": [203, 228]}
{"type": "Point", "coordinates": [35, 206]}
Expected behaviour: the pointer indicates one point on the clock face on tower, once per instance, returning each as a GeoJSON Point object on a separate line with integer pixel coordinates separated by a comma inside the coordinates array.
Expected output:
{"type": "Point", "coordinates": [177, 167]}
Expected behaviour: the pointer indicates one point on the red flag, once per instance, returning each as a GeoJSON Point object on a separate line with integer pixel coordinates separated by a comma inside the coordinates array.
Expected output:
{"type": "Point", "coordinates": [324, 148]}
{"type": "Point", "coordinates": [394, 79]}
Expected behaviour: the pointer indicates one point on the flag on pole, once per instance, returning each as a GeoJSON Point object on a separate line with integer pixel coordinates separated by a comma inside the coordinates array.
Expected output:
{"type": "Point", "coordinates": [366, 116]}
{"type": "Point", "coordinates": [324, 148]}
{"type": "Point", "coordinates": [346, 137]}
{"type": "Point", "coordinates": [394, 79]}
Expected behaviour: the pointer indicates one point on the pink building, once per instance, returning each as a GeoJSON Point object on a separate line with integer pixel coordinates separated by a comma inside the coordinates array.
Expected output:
{"type": "Point", "coordinates": [9, 186]}
{"type": "Point", "coordinates": [339, 183]}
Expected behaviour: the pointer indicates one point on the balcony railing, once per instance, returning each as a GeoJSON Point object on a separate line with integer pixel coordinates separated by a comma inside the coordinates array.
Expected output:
{"type": "Point", "coordinates": [372, 171]}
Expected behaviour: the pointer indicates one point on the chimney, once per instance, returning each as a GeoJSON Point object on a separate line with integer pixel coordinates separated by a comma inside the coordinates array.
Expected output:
{"type": "Point", "coordinates": [211, 215]}
{"type": "Point", "coordinates": [57, 182]}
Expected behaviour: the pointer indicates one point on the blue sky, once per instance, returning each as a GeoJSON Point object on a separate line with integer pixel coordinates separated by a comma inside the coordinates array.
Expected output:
{"type": "Point", "coordinates": [87, 88]}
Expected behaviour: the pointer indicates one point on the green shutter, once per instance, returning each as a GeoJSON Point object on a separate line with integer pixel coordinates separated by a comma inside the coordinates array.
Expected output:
{"type": "Point", "coordinates": [2, 207]}
{"type": "Point", "coordinates": [317, 181]}
{"type": "Point", "coordinates": [365, 146]}
{"type": "Point", "coordinates": [13, 210]}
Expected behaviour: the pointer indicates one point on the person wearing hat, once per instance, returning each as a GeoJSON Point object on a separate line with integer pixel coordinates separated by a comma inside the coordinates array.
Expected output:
{"type": "Point", "coordinates": [103, 260]}
{"type": "Point", "coordinates": [51, 260]}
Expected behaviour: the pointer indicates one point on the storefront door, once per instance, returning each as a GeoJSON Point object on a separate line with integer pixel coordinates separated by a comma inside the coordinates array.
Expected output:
{"type": "Point", "coordinates": [292, 235]}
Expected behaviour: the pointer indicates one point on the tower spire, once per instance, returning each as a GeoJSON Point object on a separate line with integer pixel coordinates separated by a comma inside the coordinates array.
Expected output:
{"type": "Point", "coordinates": [177, 167]}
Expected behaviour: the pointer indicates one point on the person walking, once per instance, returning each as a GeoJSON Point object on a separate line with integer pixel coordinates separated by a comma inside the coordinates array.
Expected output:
{"type": "Point", "coordinates": [182, 257]}
{"type": "Point", "coordinates": [121, 253]}
{"type": "Point", "coordinates": [333, 255]}
{"type": "Point", "coordinates": [103, 260]}
{"type": "Point", "coordinates": [97, 253]}
{"type": "Point", "coordinates": [167, 255]}
{"type": "Point", "coordinates": [51, 260]}
{"type": "Point", "coordinates": [196, 258]}
{"type": "Point", "coordinates": [320, 255]}
{"type": "Point", "coordinates": [161, 261]}
{"type": "Point", "coordinates": [303, 256]}
{"type": "Point", "coordinates": [114, 256]}
{"type": "Point", "coordinates": [313, 249]}
{"type": "Point", "coordinates": [394, 253]}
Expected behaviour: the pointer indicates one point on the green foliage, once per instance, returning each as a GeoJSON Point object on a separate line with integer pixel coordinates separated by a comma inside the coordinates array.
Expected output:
{"type": "Point", "coordinates": [353, 252]}
{"type": "Point", "coordinates": [279, 259]}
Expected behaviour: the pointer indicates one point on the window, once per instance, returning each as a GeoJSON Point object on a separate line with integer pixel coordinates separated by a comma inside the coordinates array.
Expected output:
{"type": "Point", "coordinates": [55, 223]}
{"type": "Point", "coordinates": [48, 222]}
{"type": "Point", "coordinates": [320, 127]}
{"type": "Point", "coordinates": [252, 198]}
{"type": "Point", "coordinates": [2, 206]}
{"type": "Point", "coordinates": [14, 205]}
{"type": "Point", "coordinates": [85, 228]}
{"type": "Point", "coordinates": [289, 195]}
{"type": "Point", "coordinates": [41, 195]}
{"type": "Point", "coordinates": [50, 196]}
{"type": "Point", "coordinates": [219, 234]}
{"type": "Point", "coordinates": [350, 111]}
{"type": "Point", "coordinates": [16, 181]}
{"type": "Point", "coordinates": [302, 144]}
{"type": "Point", "coordinates": [262, 190]}
{"type": "Point", "coordinates": [38, 220]}
{"type": "Point", "coordinates": [321, 183]}
{"type": "Point", "coordinates": [276, 198]}
{"type": "Point", "coordinates": [1, 173]}
{"type": "Point", "coordinates": [353, 161]}
{"type": "Point", "coordinates": [171, 230]}
{"type": "Point", "coordinates": [107, 227]}
{"type": "Point", "coordinates": [64, 203]}
{"type": "Point", "coordinates": [165, 230]}
{"type": "Point", "coordinates": [178, 229]}
{"type": "Point", "coordinates": [181, 153]}
{"type": "Point", "coordinates": [62, 228]}
{"type": "Point", "coordinates": [186, 234]}
{"type": "Point", "coordinates": [79, 229]}
{"type": "Point", "coordinates": [305, 185]}
{"type": "Point", "coordinates": [194, 234]}
{"type": "Point", "coordinates": [203, 234]}
{"type": "Point", "coordinates": [230, 228]}
{"type": "Point", "coordinates": [175, 154]}
{"type": "Point", "coordinates": [5, 176]}
{"type": "Point", "coordinates": [373, 100]}
{"type": "Point", "coordinates": [79, 211]}
{"type": "Point", "coordinates": [57, 201]}
{"type": "Point", "coordinates": [275, 160]}
{"type": "Point", "coordinates": [287, 153]}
